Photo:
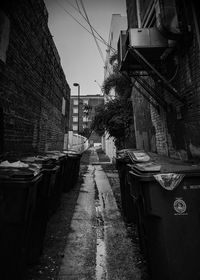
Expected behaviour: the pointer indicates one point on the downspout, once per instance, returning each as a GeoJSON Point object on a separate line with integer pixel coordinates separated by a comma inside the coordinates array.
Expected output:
{"type": "Point", "coordinates": [138, 13]}
{"type": "Point", "coordinates": [196, 24]}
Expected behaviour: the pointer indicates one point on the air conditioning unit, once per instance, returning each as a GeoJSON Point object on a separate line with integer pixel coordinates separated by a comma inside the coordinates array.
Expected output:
{"type": "Point", "coordinates": [146, 38]}
{"type": "Point", "coordinates": [148, 41]}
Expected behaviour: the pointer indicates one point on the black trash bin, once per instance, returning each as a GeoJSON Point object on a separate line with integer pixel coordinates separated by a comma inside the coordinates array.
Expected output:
{"type": "Point", "coordinates": [43, 204]}
{"type": "Point", "coordinates": [60, 160]}
{"type": "Point", "coordinates": [127, 207]}
{"type": "Point", "coordinates": [168, 203]}
{"type": "Point", "coordinates": [18, 190]}
{"type": "Point", "coordinates": [72, 168]}
{"type": "Point", "coordinates": [123, 159]}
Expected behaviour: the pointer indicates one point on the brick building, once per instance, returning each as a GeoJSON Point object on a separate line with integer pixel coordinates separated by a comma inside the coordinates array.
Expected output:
{"type": "Point", "coordinates": [160, 51]}
{"type": "Point", "coordinates": [83, 109]}
{"type": "Point", "coordinates": [34, 94]}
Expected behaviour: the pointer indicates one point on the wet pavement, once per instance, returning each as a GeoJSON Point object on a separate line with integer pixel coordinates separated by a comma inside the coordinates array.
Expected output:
{"type": "Point", "coordinates": [87, 238]}
{"type": "Point", "coordinates": [98, 246]}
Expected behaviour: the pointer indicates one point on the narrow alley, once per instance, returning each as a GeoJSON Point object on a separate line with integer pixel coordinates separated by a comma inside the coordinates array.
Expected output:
{"type": "Point", "coordinates": [93, 241]}
{"type": "Point", "coordinates": [99, 140]}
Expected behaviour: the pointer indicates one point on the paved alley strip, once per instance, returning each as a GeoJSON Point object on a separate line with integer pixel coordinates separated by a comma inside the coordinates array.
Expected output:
{"type": "Point", "coordinates": [79, 260]}
{"type": "Point", "coordinates": [97, 247]}
{"type": "Point", "coordinates": [119, 249]}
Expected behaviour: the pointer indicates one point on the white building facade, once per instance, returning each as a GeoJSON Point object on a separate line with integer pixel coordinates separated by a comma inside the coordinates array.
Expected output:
{"type": "Point", "coordinates": [118, 23]}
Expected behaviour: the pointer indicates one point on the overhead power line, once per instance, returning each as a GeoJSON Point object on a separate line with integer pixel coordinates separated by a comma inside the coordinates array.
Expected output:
{"type": "Point", "coordinates": [101, 39]}
{"type": "Point", "coordinates": [95, 39]}
{"type": "Point", "coordinates": [85, 18]}
{"type": "Point", "coordinates": [90, 32]}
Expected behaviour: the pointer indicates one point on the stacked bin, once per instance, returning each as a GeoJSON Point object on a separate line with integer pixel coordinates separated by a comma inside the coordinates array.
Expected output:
{"type": "Point", "coordinates": [18, 191]}
{"type": "Point", "coordinates": [60, 160]}
{"type": "Point", "coordinates": [123, 159]}
{"type": "Point", "coordinates": [72, 168]}
{"type": "Point", "coordinates": [44, 196]}
{"type": "Point", "coordinates": [168, 198]}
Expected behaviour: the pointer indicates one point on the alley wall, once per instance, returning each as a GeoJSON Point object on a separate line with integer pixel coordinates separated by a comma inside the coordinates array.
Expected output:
{"type": "Point", "coordinates": [176, 128]}
{"type": "Point", "coordinates": [34, 94]}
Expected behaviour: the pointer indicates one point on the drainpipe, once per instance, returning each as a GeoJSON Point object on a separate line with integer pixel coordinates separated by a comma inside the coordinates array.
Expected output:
{"type": "Point", "coordinates": [196, 24]}
{"type": "Point", "coordinates": [138, 14]}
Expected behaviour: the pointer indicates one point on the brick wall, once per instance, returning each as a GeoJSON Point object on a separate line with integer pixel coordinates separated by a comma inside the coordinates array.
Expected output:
{"type": "Point", "coordinates": [32, 82]}
{"type": "Point", "coordinates": [144, 127]}
{"type": "Point", "coordinates": [177, 128]}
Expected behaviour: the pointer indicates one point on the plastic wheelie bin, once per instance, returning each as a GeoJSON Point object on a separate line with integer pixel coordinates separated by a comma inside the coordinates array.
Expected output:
{"type": "Point", "coordinates": [18, 190]}
{"type": "Point", "coordinates": [123, 159]}
{"type": "Point", "coordinates": [168, 202]}
{"type": "Point", "coordinates": [43, 204]}
{"type": "Point", "coordinates": [60, 160]}
{"type": "Point", "coordinates": [72, 168]}
{"type": "Point", "coordinates": [127, 206]}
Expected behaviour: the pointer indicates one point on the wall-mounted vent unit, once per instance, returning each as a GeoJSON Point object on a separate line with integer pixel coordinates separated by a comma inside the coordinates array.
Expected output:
{"type": "Point", "coordinates": [148, 41]}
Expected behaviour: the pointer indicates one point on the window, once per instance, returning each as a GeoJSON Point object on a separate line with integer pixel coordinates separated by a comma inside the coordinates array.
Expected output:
{"type": "Point", "coordinates": [75, 110]}
{"type": "Point", "coordinates": [85, 102]}
{"type": "Point", "coordinates": [75, 101]}
{"type": "Point", "coordinates": [63, 106]}
{"type": "Point", "coordinates": [4, 35]}
{"type": "Point", "coordinates": [75, 127]}
{"type": "Point", "coordinates": [85, 119]}
{"type": "Point", "coordinates": [75, 119]}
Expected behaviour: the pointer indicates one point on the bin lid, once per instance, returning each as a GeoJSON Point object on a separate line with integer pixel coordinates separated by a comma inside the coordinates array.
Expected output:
{"type": "Point", "coordinates": [71, 153]}
{"type": "Point", "coordinates": [21, 173]}
{"type": "Point", "coordinates": [138, 156]}
{"type": "Point", "coordinates": [133, 155]}
{"type": "Point", "coordinates": [147, 167]}
{"type": "Point", "coordinates": [56, 154]}
{"type": "Point", "coordinates": [122, 155]}
{"type": "Point", "coordinates": [162, 165]}
{"type": "Point", "coordinates": [43, 160]}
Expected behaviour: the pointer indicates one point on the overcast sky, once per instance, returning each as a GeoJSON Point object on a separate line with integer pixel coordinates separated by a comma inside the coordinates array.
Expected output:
{"type": "Point", "coordinates": [79, 55]}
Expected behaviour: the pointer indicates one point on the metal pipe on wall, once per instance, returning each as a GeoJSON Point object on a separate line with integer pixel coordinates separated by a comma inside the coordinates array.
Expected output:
{"type": "Point", "coordinates": [138, 14]}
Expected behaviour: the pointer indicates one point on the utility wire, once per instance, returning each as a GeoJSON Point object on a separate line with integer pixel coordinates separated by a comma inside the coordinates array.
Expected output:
{"type": "Point", "coordinates": [92, 33]}
{"type": "Point", "coordinates": [78, 22]}
{"type": "Point", "coordinates": [98, 47]}
{"type": "Point", "coordinates": [77, 6]}
{"type": "Point", "coordinates": [85, 18]}
{"type": "Point", "coordinates": [102, 40]}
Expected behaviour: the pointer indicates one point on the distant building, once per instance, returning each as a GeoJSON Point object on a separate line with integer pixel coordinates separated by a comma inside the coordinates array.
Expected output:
{"type": "Point", "coordinates": [82, 112]}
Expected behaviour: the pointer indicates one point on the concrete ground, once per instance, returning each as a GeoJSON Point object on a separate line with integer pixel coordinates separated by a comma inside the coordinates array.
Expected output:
{"type": "Point", "coordinates": [98, 246]}
{"type": "Point", "coordinates": [87, 237]}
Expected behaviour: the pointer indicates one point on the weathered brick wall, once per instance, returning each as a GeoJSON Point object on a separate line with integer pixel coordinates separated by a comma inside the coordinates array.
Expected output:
{"type": "Point", "coordinates": [32, 82]}
{"type": "Point", "coordinates": [144, 127]}
{"type": "Point", "coordinates": [183, 121]}
{"type": "Point", "coordinates": [177, 128]}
